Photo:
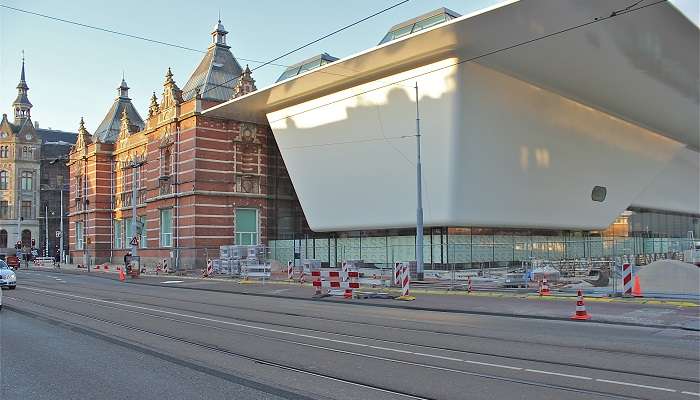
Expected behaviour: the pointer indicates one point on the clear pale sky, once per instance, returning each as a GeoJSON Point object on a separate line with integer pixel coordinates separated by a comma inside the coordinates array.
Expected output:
{"type": "Point", "coordinates": [74, 71]}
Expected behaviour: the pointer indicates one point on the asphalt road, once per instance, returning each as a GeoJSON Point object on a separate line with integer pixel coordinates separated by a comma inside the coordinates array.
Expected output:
{"type": "Point", "coordinates": [71, 336]}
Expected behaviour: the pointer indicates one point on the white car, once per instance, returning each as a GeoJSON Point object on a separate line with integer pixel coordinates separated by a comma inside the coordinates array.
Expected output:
{"type": "Point", "coordinates": [8, 279]}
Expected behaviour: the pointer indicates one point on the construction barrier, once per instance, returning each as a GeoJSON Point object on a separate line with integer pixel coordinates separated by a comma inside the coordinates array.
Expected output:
{"type": "Point", "coordinates": [210, 268]}
{"type": "Point", "coordinates": [580, 314]}
{"type": "Point", "coordinates": [627, 279]}
{"type": "Point", "coordinates": [290, 270]}
{"type": "Point", "coordinates": [544, 288]}
{"type": "Point", "coordinates": [259, 271]}
{"type": "Point", "coordinates": [637, 288]}
{"type": "Point", "coordinates": [405, 280]}
{"type": "Point", "coordinates": [338, 282]}
{"type": "Point", "coordinates": [469, 284]}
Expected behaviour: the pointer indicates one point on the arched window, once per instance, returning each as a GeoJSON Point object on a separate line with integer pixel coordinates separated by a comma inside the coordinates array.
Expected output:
{"type": "Point", "coordinates": [3, 180]}
{"type": "Point", "coordinates": [27, 180]}
{"type": "Point", "coordinates": [3, 151]}
{"type": "Point", "coordinates": [3, 239]}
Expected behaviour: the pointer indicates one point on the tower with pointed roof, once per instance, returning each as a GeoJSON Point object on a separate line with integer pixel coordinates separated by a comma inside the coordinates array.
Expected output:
{"type": "Point", "coordinates": [22, 106]}
{"type": "Point", "coordinates": [108, 130]}
{"type": "Point", "coordinates": [218, 73]}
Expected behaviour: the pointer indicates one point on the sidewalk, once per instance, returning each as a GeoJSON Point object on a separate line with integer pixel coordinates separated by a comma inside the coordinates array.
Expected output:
{"type": "Point", "coordinates": [653, 313]}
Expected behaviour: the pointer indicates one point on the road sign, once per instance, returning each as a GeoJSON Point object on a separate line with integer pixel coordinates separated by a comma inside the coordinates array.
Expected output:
{"type": "Point", "coordinates": [134, 241]}
{"type": "Point", "coordinates": [59, 234]}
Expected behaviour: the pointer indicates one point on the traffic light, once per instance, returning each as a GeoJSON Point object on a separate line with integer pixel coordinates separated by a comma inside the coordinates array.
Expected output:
{"type": "Point", "coordinates": [33, 243]}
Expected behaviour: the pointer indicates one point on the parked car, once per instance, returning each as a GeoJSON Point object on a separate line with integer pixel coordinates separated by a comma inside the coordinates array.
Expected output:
{"type": "Point", "coordinates": [515, 280]}
{"type": "Point", "coordinates": [0, 300]}
{"type": "Point", "coordinates": [8, 279]}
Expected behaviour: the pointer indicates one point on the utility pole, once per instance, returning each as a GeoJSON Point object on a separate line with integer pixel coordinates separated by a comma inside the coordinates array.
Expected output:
{"type": "Point", "coordinates": [419, 195]}
{"type": "Point", "coordinates": [60, 182]}
{"type": "Point", "coordinates": [135, 164]}
{"type": "Point", "coordinates": [46, 226]}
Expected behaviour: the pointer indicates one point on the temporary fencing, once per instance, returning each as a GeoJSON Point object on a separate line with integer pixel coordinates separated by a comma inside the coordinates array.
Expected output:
{"type": "Point", "coordinates": [340, 282]}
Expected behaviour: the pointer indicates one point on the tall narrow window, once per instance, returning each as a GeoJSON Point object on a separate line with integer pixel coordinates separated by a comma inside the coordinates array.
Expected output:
{"type": "Point", "coordinates": [27, 180]}
{"type": "Point", "coordinates": [144, 233]}
{"type": "Point", "coordinates": [3, 151]}
{"type": "Point", "coordinates": [165, 161]}
{"type": "Point", "coordinates": [127, 233]}
{"type": "Point", "coordinates": [246, 226]}
{"type": "Point", "coordinates": [3, 239]}
{"type": "Point", "coordinates": [79, 235]}
{"type": "Point", "coordinates": [117, 234]}
{"type": "Point", "coordinates": [3, 180]}
{"type": "Point", "coordinates": [26, 210]}
{"type": "Point", "coordinates": [4, 210]}
{"type": "Point", "coordinates": [166, 227]}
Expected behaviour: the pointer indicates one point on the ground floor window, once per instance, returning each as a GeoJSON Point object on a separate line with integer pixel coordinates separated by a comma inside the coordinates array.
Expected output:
{"type": "Point", "coordinates": [246, 226]}
{"type": "Point", "coordinates": [166, 227]}
{"type": "Point", "coordinates": [144, 233]}
{"type": "Point", "coordinates": [118, 234]}
{"type": "Point", "coordinates": [3, 238]}
{"type": "Point", "coordinates": [79, 235]}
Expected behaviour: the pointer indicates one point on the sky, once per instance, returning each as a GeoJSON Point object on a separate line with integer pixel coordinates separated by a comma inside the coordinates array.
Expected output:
{"type": "Point", "coordinates": [73, 72]}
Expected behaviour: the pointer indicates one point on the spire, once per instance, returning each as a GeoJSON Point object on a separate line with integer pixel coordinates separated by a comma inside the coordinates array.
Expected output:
{"type": "Point", "coordinates": [153, 107]}
{"type": "Point", "coordinates": [172, 95]}
{"type": "Point", "coordinates": [218, 35]}
{"type": "Point", "coordinates": [21, 105]}
{"type": "Point", "coordinates": [123, 89]}
{"type": "Point", "coordinates": [245, 84]}
{"type": "Point", "coordinates": [84, 138]}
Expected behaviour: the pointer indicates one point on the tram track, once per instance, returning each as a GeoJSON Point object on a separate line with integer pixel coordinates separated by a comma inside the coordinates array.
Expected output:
{"type": "Point", "coordinates": [287, 367]}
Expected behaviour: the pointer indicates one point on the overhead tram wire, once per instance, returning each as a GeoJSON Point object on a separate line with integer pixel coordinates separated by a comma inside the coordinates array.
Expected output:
{"type": "Point", "coordinates": [614, 14]}
{"type": "Point", "coordinates": [262, 63]}
{"type": "Point", "coordinates": [270, 62]}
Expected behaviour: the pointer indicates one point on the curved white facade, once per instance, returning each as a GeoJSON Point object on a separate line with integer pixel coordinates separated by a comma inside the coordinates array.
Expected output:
{"type": "Point", "coordinates": [497, 151]}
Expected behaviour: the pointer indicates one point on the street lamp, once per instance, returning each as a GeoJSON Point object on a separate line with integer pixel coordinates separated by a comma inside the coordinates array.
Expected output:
{"type": "Point", "coordinates": [134, 165]}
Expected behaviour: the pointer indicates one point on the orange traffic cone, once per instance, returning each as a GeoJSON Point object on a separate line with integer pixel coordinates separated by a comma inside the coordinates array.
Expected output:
{"type": "Point", "coordinates": [122, 275]}
{"type": "Point", "coordinates": [581, 313]}
{"type": "Point", "coordinates": [544, 288]}
{"type": "Point", "coordinates": [637, 288]}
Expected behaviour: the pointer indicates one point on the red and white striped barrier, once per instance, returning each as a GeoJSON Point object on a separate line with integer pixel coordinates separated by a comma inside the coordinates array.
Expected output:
{"type": "Point", "coordinates": [210, 268]}
{"type": "Point", "coordinates": [627, 279]}
{"type": "Point", "coordinates": [165, 265]}
{"type": "Point", "coordinates": [398, 267]}
{"type": "Point", "coordinates": [469, 284]}
{"type": "Point", "coordinates": [405, 278]}
{"type": "Point", "coordinates": [290, 270]}
{"type": "Point", "coordinates": [333, 279]}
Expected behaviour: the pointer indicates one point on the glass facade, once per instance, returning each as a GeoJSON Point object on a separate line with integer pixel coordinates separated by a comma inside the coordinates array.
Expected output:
{"type": "Point", "coordinates": [418, 24]}
{"type": "Point", "coordinates": [636, 232]}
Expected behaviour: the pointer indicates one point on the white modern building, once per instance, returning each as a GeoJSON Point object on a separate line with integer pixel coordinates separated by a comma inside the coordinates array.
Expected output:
{"type": "Point", "coordinates": [545, 126]}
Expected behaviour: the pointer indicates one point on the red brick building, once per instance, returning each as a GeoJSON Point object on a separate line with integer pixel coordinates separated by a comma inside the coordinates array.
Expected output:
{"type": "Point", "coordinates": [200, 182]}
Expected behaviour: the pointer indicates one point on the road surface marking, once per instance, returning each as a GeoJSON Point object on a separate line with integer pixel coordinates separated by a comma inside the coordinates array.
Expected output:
{"type": "Point", "coordinates": [345, 342]}
{"type": "Point", "coordinates": [558, 374]}
{"type": "Point", "coordinates": [692, 393]}
{"type": "Point", "coordinates": [637, 385]}
{"type": "Point", "coordinates": [166, 282]}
